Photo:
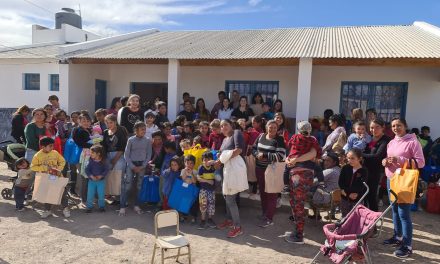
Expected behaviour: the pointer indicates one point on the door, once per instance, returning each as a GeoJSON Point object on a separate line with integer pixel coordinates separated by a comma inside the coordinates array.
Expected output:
{"type": "Point", "coordinates": [149, 91]}
{"type": "Point", "coordinates": [100, 94]}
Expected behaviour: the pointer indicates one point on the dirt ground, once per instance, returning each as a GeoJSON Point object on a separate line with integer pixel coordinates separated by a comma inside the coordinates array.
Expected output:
{"type": "Point", "coordinates": [108, 238]}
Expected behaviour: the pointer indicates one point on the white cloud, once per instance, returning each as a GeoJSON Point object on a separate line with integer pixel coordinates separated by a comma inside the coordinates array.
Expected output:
{"type": "Point", "coordinates": [105, 17]}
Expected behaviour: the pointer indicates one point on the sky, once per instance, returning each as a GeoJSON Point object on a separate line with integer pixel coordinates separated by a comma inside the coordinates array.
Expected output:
{"type": "Point", "coordinates": [112, 17]}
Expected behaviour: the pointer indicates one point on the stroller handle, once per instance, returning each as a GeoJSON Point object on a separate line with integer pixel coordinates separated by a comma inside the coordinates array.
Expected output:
{"type": "Point", "coordinates": [395, 195]}
{"type": "Point", "coordinates": [340, 222]}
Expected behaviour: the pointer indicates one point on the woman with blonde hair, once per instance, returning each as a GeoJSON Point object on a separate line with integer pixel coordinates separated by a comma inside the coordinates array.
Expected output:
{"type": "Point", "coordinates": [130, 114]}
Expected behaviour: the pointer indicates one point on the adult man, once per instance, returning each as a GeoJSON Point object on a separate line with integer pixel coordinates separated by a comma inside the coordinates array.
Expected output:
{"type": "Point", "coordinates": [218, 105]}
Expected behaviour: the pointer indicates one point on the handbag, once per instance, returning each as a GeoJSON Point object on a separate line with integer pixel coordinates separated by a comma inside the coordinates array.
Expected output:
{"type": "Point", "coordinates": [49, 188]}
{"type": "Point", "coordinates": [182, 196]}
{"type": "Point", "coordinates": [113, 182]}
{"type": "Point", "coordinates": [150, 190]}
{"type": "Point", "coordinates": [274, 177]}
{"type": "Point", "coordinates": [404, 183]}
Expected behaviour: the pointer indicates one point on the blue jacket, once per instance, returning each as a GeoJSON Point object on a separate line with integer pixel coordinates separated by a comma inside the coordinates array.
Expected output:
{"type": "Point", "coordinates": [97, 168]}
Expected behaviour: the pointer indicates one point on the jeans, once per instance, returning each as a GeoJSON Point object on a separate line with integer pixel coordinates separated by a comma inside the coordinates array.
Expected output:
{"type": "Point", "coordinates": [268, 200]}
{"type": "Point", "coordinates": [19, 196]}
{"type": "Point", "coordinates": [93, 188]}
{"type": "Point", "coordinates": [127, 183]}
{"type": "Point", "coordinates": [402, 221]}
{"type": "Point", "coordinates": [232, 209]}
{"type": "Point", "coordinates": [29, 155]}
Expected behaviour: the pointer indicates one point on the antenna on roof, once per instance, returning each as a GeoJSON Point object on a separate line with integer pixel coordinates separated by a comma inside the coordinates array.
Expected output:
{"type": "Point", "coordinates": [79, 9]}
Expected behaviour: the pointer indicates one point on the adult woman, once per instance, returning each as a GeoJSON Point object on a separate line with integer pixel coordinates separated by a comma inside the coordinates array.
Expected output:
{"type": "Point", "coordinates": [267, 149]}
{"type": "Point", "coordinates": [337, 139]}
{"type": "Point", "coordinates": [115, 106]}
{"type": "Point", "coordinates": [50, 120]}
{"type": "Point", "coordinates": [400, 150]}
{"type": "Point", "coordinates": [33, 131]}
{"type": "Point", "coordinates": [226, 111]}
{"type": "Point", "coordinates": [257, 104]}
{"type": "Point", "coordinates": [282, 131]}
{"type": "Point", "coordinates": [201, 111]}
{"type": "Point", "coordinates": [277, 106]}
{"type": "Point", "coordinates": [129, 115]}
{"type": "Point", "coordinates": [233, 141]}
{"type": "Point", "coordinates": [19, 122]}
{"type": "Point", "coordinates": [373, 155]}
{"type": "Point", "coordinates": [243, 111]}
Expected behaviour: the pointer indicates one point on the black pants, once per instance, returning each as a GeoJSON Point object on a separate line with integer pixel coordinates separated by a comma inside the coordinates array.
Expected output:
{"type": "Point", "coordinates": [373, 184]}
{"type": "Point", "coordinates": [19, 197]}
{"type": "Point", "coordinates": [84, 189]}
{"type": "Point", "coordinates": [254, 187]}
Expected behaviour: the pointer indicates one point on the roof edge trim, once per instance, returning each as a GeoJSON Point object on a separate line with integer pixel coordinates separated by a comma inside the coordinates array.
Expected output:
{"type": "Point", "coordinates": [427, 27]}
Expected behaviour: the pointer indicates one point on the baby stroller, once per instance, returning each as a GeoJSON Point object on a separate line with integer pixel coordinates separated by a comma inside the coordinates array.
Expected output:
{"type": "Point", "coordinates": [347, 239]}
{"type": "Point", "coordinates": [10, 152]}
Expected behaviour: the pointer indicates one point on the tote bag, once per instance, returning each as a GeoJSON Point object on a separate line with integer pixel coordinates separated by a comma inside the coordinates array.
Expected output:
{"type": "Point", "coordinates": [250, 166]}
{"type": "Point", "coordinates": [113, 182]}
{"type": "Point", "coordinates": [49, 188]}
{"type": "Point", "coordinates": [404, 183]}
{"type": "Point", "coordinates": [150, 190]}
{"type": "Point", "coordinates": [274, 177]}
{"type": "Point", "coordinates": [183, 196]}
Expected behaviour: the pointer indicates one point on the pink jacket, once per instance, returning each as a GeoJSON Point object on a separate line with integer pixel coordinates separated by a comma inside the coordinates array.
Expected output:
{"type": "Point", "coordinates": [404, 148]}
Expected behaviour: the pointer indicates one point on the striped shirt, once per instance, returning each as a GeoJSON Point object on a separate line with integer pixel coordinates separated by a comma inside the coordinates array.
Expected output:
{"type": "Point", "coordinates": [272, 149]}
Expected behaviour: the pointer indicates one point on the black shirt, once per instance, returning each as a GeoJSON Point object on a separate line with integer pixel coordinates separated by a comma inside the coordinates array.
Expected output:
{"type": "Point", "coordinates": [127, 118]}
{"type": "Point", "coordinates": [115, 142]}
{"type": "Point", "coordinates": [81, 137]}
{"type": "Point", "coordinates": [237, 113]}
{"type": "Point", "coordinates": [17, 132]}
{"type": "Point", "coordinates": [353, 182]}
{"type": "Point", "coordinates": [188, 115]}
{"type": "Point", "coordinates": [160, 119]}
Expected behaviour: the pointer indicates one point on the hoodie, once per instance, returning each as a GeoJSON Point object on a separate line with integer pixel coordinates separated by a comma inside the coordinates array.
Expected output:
{"type": "Point", "coordinates": [404, 148]}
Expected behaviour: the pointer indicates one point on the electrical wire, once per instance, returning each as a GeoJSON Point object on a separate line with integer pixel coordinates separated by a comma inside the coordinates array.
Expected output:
{"type": "Point", "coordinates": [38, 6]}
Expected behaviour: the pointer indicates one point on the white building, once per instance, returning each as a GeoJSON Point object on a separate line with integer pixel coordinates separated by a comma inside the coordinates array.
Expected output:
{"type": "Point", "coordinates": [395, 69]}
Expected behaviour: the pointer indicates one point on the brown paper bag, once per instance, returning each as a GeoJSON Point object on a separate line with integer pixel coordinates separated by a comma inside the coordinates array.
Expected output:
{"type": "Point", "coordinates": [113, 182]}
{"type": "Point", "coordinates": [49, 188]}
{"type": "Point", "coordinates": [250, 167]}
{"type": "Point", "coordinates": [274, 177]}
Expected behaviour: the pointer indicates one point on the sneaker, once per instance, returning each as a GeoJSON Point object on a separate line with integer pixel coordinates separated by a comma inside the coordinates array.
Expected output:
{"type": "Point", "coordinates": [138, 210]}
{"type": "Point", "coordinates": [102, 210]}
{"type": "Point", "coordinates": [253, 196]}
{"type": "Point", "coordinates": [226, 223]}
{"type": "Point", "coordinates": [235, 232]}
{"type": "Point", "coordinates": [294, 239]}
{"type": "Point", "coordinates": [66, 212]}
{"type": "Point", "coordinates": [279, 203]}
{"type": "Point", "coordinates": [286, 189]}
{"type": "Point", "coordinates": [403, 252]}
{"type": "Point", "coordinates": [46, 214]}
{"type": "Point", "coordinates": [265, 223]}
{"type": "Point", "coordinates": [392, 242]}
{"type": "Point", "coordinates": [21, 209]}
{"type": "Point", "coordinates": [211, 223]}
{"type": "Point", "coordinates": [292, 218]}
{"type": "Point", "coordinates": [202, 225]}
{"type": "Point", "coordinates": [88, 210]}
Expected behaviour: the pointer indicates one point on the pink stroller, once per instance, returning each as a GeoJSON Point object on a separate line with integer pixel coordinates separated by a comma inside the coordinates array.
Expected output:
{"type": "Point", "coordinates": [347, 239]}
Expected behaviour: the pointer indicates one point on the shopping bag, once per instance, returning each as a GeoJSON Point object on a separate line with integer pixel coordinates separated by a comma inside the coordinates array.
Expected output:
{"type": "Point", "coordinates": [72, 152]}
{"type": "Point", "coordinates": [274, 177]}
{"type": "Point", "coordinates": [49, 188]}
{"type": "Point", "coordinates": [433, 199]}
{"type": "Point", "coordinates": [404, 183]}
{"type": "Point", "coordinates": [250, 166]}
{"type": "Point", "coordinates": [183, 196]}
{"type": "Point", "coordinates": [430, 173]}
{"type": "Point", "coordinates": [149, 190]}
{"type": "Point", "coordinates": [197, 151]}
{"type": "Point", "coordinates": [113, 182]}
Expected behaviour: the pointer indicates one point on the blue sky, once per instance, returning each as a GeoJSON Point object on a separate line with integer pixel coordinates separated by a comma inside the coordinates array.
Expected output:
{"type": "Point", "coordinates": [112, 17]}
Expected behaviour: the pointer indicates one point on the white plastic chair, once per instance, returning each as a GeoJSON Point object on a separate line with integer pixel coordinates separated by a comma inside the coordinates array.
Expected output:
{"type": "Point", "coordinates": [166, 219]}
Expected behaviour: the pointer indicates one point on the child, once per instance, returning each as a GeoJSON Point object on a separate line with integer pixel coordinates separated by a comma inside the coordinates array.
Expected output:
{"type": "Point", "coordinates": [150, 117]}
{"type": "Point", "coordinates": [204, 133]}
{"type": "Point", "coordinates": [96, 137]}
{"type": "Point", "coordinates": [188, 130]}
{"type": "Point", "coordinates": [96, 170]}
{"type": "Point", "coordinates": [267, 114]}
{"type": "Point", "coordinates": [178, 125]}
{"type": "Point", "coordinates": [351, 180]}
{"type": "Point", "coordinates": [185, 145]}
{"type": "Point", "coordinates": [359, 139]}
{"type": "Point", "coordinates": [168, 176]}
{"type": "Point", "coordinates": [189, 175]}
{"type": "Point", "coordinates": [158, 150]}
{"type": "Point", "coordinates": [62, 126]}
{"type": "Point", "coordinates": [100, 118]}
{"type": "Point", "coordinates": [47, 160]}
{"type": "Point", "coordinates": [137, 154]}
{"type": "Point", "coordinates": [167, 132]}
{"type": "Point", "coordinates": [207, 190]}
{"type": "Point", "coordinates": [24, 180]}
{"type": "Point", "coordinates": [170, 152]}
{"type": "Point", "coordinates": [216, 136]}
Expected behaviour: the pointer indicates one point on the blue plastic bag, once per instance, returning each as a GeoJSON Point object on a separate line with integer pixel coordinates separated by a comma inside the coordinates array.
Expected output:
{"type": "Point", "coordinates": [72, 152]}
{"type": "Point", "coordinates": [150, 190]}
{"type": "Point", "coordinates": [183, 196]}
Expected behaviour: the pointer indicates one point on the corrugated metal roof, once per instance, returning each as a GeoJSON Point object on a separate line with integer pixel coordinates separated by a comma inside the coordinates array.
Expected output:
{"type": "Point", "coordinates": [324, 42]}
{"type": "Point", "coordinates": [36, 52]}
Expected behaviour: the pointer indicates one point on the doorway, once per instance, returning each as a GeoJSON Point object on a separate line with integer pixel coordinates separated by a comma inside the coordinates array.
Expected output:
{"type": "Point", "coordinates": [148, 92]}
{"type": "Point", "coordinates": [100, 94]}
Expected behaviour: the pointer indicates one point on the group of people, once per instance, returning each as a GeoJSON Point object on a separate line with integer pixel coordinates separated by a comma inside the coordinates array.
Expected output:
{"type": "Point", "coordinates": [324, 155]}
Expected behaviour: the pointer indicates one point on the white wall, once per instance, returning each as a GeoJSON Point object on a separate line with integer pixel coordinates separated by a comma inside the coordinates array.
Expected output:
{"type": "Point", "coordinates": [205, 82]}
{"type": "Point", "coordinates": [12, 93]}
{"type": "Point", "coordinates": [423, 90]}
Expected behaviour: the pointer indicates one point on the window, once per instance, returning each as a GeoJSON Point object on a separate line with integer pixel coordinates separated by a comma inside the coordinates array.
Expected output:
{"type": "Point", "coordinates": [389, 99]}
{"type": "Point", "coordinates": [267, 89]}
{"type": "Point", "coordinates": [31, 81]}
{"type": "Point", "coordinates": [54, 82]}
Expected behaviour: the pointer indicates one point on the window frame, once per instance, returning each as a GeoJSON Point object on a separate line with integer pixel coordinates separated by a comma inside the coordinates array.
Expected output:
{"type": "Point", "coordinates": [254, 89]}
{"type": "Point", "coordinates": [50, 82]}
{"type": "Point", "coordinates": [371, 103]}
{"type": "Point", "coordinates": [25, 87]}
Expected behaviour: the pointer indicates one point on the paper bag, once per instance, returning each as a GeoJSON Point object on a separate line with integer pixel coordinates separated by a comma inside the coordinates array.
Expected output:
{"type": "Point", "coordinates": [113, 182]}
{"type": "Point", "coordinates": [49, 188]}
{"type": "Point", "coordinates": [250, 166]}
{"type": "Point", "coordinates": [274, 177]}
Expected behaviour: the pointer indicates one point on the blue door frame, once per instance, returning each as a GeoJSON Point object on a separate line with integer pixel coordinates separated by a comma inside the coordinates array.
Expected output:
{"type": "Point", "coordinates": [100, 94]}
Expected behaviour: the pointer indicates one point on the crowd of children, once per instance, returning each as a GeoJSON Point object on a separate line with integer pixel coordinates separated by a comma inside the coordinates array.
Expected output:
{"type": "Point", "coordinates": [138, 142]}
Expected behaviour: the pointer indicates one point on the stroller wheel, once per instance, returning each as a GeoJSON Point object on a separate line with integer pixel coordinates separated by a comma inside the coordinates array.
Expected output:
{"type": "Point", "coordinates": [7, 194]}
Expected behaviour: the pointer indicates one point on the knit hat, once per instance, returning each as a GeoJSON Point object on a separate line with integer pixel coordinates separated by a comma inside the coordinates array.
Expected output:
{"type": "Point", "coordinates": [304, 127]}
{"type": "Point", "coordinates": [97, 129]}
